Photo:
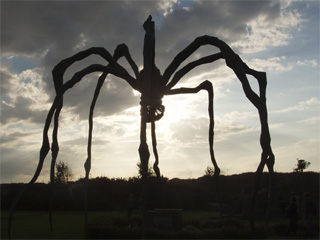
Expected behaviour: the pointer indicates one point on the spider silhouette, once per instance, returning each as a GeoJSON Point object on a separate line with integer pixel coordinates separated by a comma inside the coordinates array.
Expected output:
{"type": "Point", "coordinates": [153, 87]}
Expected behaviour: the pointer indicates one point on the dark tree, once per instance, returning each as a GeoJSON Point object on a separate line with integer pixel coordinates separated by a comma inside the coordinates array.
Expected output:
{"type": "Point", "coordinates": [150, 172]}
{"type": "Point", "coordinates": [63, 173]}
{"type": "Point", "coordinates": [301, 165]}
{"type": "Point", "coordinates": [209, 171]}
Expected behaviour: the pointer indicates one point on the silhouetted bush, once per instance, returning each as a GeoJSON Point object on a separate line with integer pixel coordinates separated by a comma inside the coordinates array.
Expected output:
{"type": "Point", "coordinates": [106, 228]}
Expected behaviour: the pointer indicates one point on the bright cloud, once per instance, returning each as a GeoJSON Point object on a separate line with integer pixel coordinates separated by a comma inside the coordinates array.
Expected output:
{"type": "Point", "coordinates": [312, 103]}
{"type": "Point", "coordinates": [271, 64]}
{"type": "Point", "coordinates": [264, 32]}
{"type": "Point", "coordinates": [312, 63]}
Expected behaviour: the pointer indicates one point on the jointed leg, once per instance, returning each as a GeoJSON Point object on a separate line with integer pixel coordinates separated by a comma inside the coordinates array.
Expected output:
{"type": "Point", "coordinates": [144, 158]}
{"type": "Point", "coordinates": [235, 63]}
{"type": "Point", "coordinates": [155, 151]}
{"type": "Point", "coordinates": [58, 73]}
{"type": "Point", "coordinates": [270, 164]}
{"type": "Point", "coordinates": [226, 52]}
{"type": "Point", "coordinates": [179, 74]}
{"type": "Point", "coordinates": [267, 156]}
{"type": "Point", "coordinates": [56, 107]}
{"type": "Point", "coordinates": [87, 164]}
{"type": "Point", "coordinates": [121, 50]}
{"type": "Point", "coordinates": [156, 163]}
{"type": "Point", "coordinates": [61, 67]}
{"type": "Point", "coordinates": [206, 85]}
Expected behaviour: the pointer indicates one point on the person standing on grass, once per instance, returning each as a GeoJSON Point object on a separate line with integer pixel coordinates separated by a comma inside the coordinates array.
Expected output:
{"type": "Point", "coordinates": [309, 211]}
{"type": "Point", "coordinates": [292, 214]}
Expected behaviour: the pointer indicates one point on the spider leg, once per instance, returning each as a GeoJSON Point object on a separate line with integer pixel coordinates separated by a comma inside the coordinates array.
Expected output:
{"type": "Point", "coordinates": [123, 51]}
{"type": "Point", "coordinates": [156, 163]}
{"type": "Point", "coordinates": [144, 158]}
{"type": "Point", "coordinates": [87, 164]}
{"type": "Point", "coordinates": [191, 48]}
{"type": "Point", "coordinates": [259, 101]}
{"type": "Point", "coordinates": [56, 103]}
{"type": "Point", "coordinates": [120, 51]}
{"type": "Point", "coordinates": [62, 66]}
{"type": "Point", "coordinates": [267, 156]}
{"type": "Point", "coordinates": [206, 85]}
{"type": "Point", "coordinates": [155, 151]}
{"type": "Point", "coordinates": [179, 74]}
{"type": "Point", "coordinates": [57, 74]}
{"type": "Point", "coordinates": [59, 70]}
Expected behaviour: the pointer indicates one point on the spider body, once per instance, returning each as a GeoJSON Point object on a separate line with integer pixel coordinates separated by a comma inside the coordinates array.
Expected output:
{"type": "Point", "coordinates": [151, 97]}
{"type": "Point", "coordinates": [153, 87]}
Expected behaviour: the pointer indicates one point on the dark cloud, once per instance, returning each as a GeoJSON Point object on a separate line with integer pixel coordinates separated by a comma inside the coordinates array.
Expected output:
{"type": "Point", "coordinates": [5, 79]}
{"type": "Point", "coordinates": [31, 27]}
{"type": "Point", "coordinates": [9, 138]}
{"type": "Point", "coordinates": [18, 164]}
{"type": "Point", "coordinates": [21, 111]}
{"type": "Point", "coordinates": [50, 31]}
{"type": "Point", "coordinates": [53, 30]}
{"type": "Point", "coordinates": [214, 18]}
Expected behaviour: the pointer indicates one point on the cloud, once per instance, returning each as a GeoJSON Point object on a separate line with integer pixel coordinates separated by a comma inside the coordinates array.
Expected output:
{"type": "Point", "coordinates": [271, 30]}
{"type": "Point", "coordinates": [240, 115]}
{"type": "Point", "coordinates": [224, 19]}
{"type": "Point", "coordinates": [67, 28]}
{"type": "Point", "coordinates": [17, 138]}
{"type": "Point", "coordinates": [312, 63]}
{"type": "Point", "coordinates": [273, 64]}
{"type": "Point", "coordinates": [278, 64]}
{"type": "Point", "coordinates": [167, 6]}
{"type": "Point", "coordinates": [312, 120]}
{"type": "Point", "coordinates": [72, 19]}
{"type": "Point", "coordinates": [195, 131]}
{"type": "Point", "coordinates": [23, 97]}
{"type": "Point", "coordinates": [303, 105]}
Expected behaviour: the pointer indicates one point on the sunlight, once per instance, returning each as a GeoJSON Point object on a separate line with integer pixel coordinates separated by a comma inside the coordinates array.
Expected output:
{"type": "Point", "coordinates": [176, 109]}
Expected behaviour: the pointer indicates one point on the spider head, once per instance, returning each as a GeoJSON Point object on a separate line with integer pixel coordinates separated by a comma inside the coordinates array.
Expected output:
{"type": "Point", "coordinates": [152, 87]}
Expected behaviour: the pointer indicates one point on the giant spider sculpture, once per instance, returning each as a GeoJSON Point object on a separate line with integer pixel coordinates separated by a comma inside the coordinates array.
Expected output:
{"type": "Point", "coordinates": [153, 86]}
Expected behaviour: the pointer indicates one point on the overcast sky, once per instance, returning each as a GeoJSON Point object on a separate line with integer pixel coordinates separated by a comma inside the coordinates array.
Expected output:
{"type": "Point", "coordinates": [278, 37]}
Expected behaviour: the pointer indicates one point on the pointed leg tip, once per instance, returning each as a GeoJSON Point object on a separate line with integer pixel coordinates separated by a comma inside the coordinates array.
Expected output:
{"type": "Point", "coordinates": [217, 172]}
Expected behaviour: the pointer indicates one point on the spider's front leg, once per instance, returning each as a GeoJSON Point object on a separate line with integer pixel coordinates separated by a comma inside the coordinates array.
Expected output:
{"type": "Point", "coordinates": [155, 151]}
{"type": "Point", "coordinates": [206, 85]}
{"type": "Point", "coordinates": [149, 114]}
{"type": "Point", "coordinates": [144, 161]}
{"type": "Point", "coordinates": [143, 148]}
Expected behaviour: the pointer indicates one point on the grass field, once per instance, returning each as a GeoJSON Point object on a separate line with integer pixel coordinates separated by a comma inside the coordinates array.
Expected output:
{"type": "Point", "coordinates": [35, 225]}
{"type": "Point", "coordinates": [196, 224]}
{"type": "Point", "coordinates": [66, 225]}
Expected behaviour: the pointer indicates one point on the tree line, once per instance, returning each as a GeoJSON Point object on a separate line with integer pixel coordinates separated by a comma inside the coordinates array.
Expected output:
{"type": "Point", "coordinates": [193, 194]}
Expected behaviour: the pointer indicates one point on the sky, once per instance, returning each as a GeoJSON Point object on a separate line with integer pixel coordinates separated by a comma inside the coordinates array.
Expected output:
{"type": "Point", "coordinates": [280, 38]}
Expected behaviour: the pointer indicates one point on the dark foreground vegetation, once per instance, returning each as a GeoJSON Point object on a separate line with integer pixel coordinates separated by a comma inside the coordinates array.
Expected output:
{"type": "Point", "coordinates": [198, 199]}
